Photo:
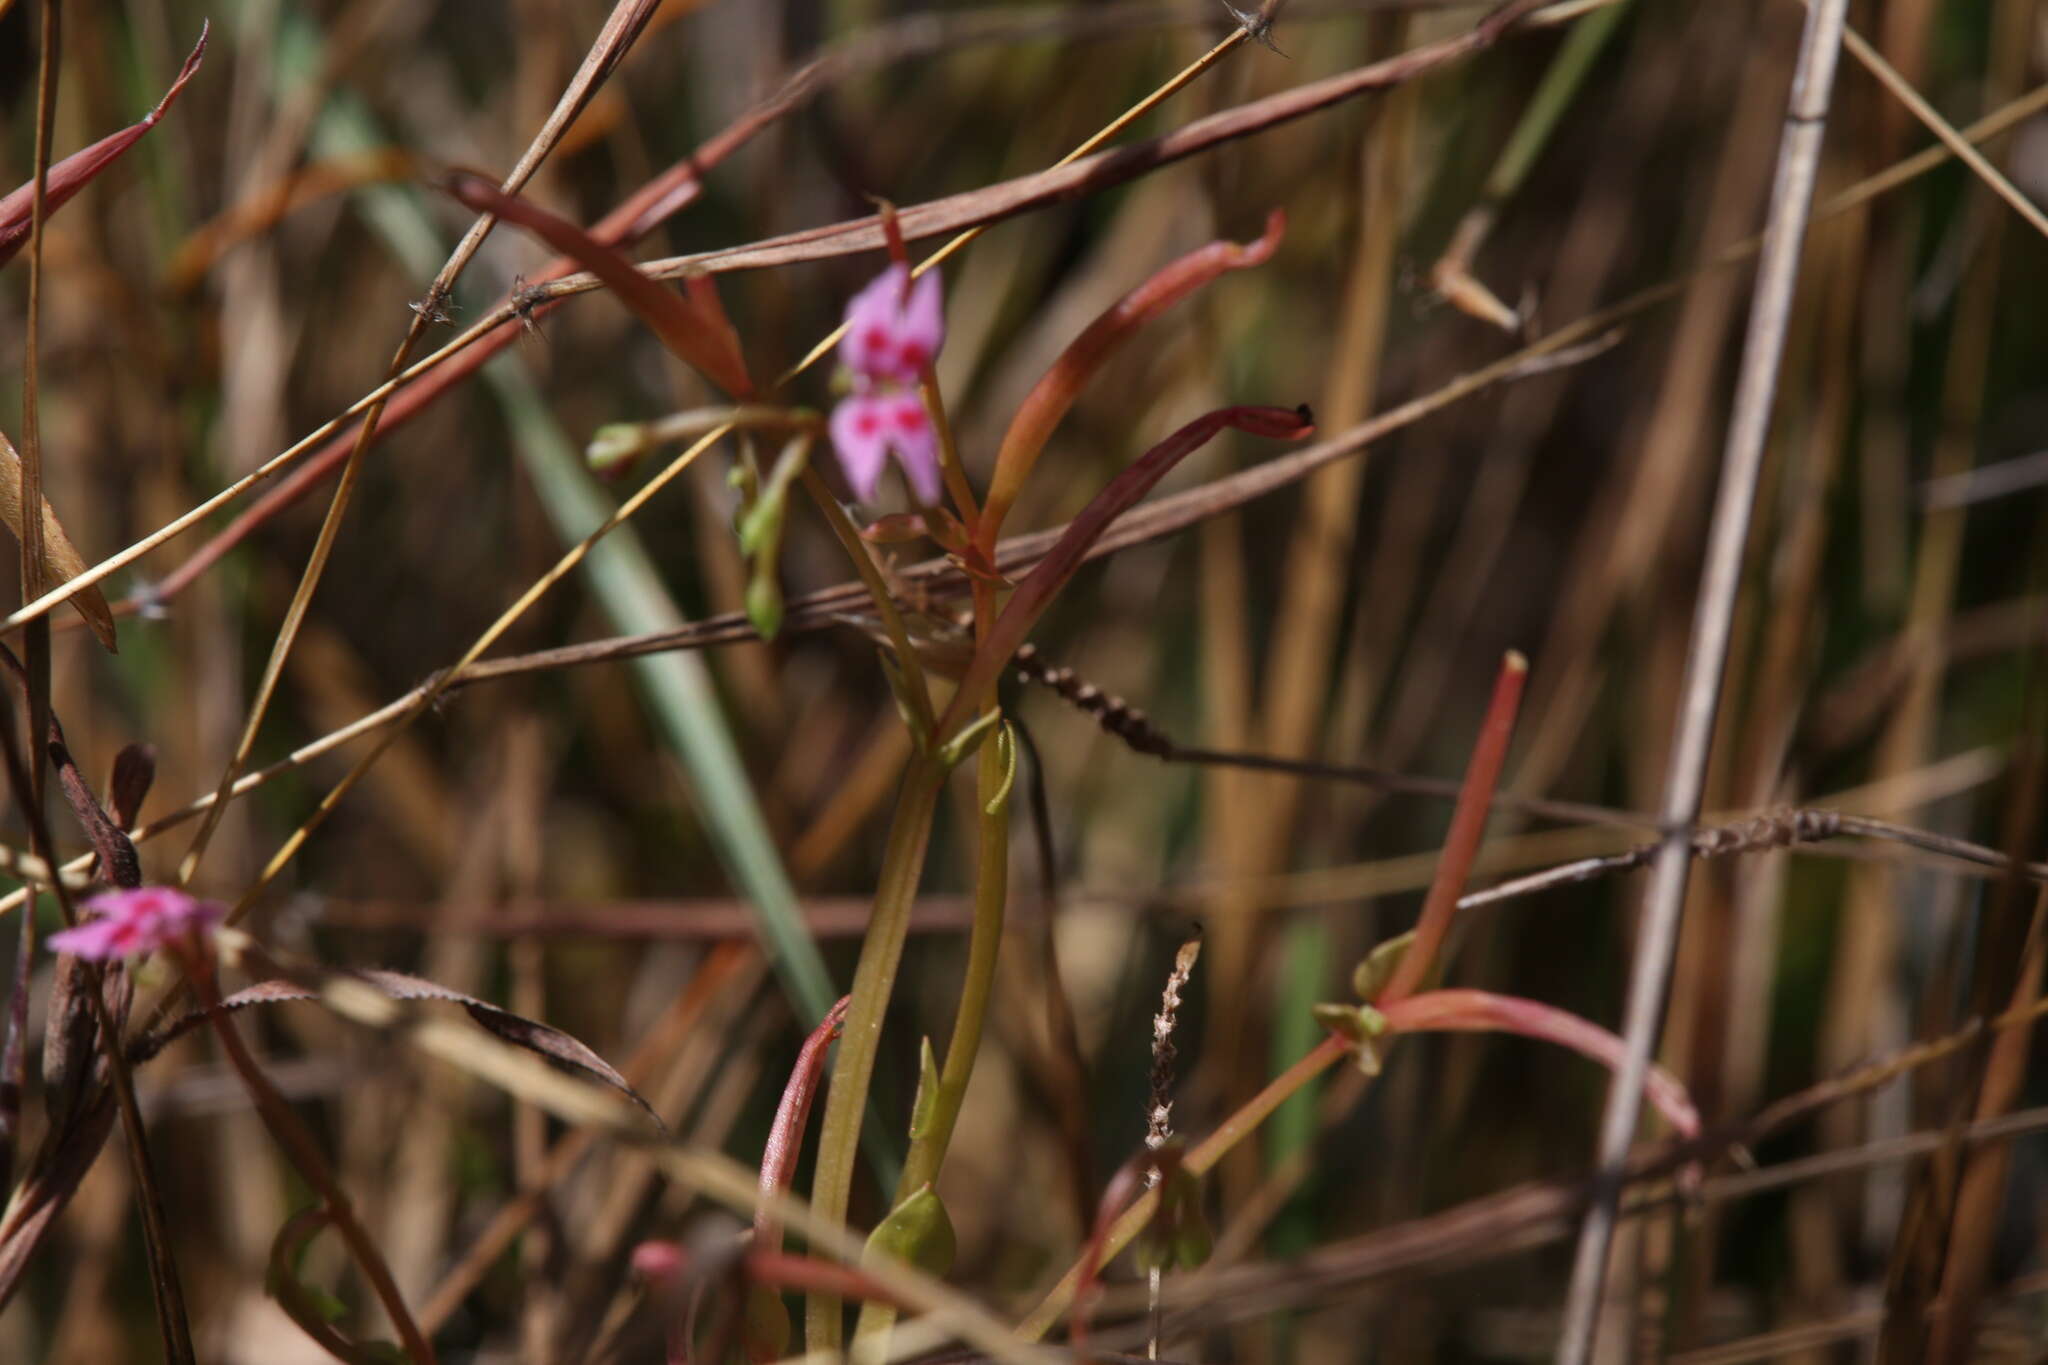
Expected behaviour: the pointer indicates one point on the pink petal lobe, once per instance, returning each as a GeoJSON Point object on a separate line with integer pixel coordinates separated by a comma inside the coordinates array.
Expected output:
{"type": "Point", "coordinates": [873, 325]}
{"type": "Point", "coordinates": [98, 939]}
{"type": "Point", "coordinates": [890, 335]}
{"type": "Point", "coordinates": [923, 328]}
{"type": "Point", "coordinates": [917, 447]}
{"type": "Point", "coordinates": [141, 920]}
{"type": "Point", "coordinates": [860, 437]}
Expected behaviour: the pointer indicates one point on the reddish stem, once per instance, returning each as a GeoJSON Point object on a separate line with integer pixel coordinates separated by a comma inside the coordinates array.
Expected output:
{"type": "Point", "coordinates": [1467, 1011]}
{"type": "Point", "coordinates": [1468, 823]}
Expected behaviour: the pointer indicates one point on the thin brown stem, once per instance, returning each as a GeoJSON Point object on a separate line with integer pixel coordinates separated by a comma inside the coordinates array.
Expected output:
{"type": "Point", "coordinates": [304, 1154]}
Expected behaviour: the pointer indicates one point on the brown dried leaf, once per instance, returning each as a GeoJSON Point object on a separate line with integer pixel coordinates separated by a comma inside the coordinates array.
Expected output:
{"type": "Point", "coordinates": [65, 563]}
{"type": "Point", "coordinates": [119, 862]}
{"type": "Point", "coordinates": [513, 1028]}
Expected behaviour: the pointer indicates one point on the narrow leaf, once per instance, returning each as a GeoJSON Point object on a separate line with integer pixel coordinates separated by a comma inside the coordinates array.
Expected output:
{"type": "Point", "coordinates": [134, 773]}
{"type": "Point", "coordinates": [74, 172]}
{"type": "Point", "coordinates": [786, 1133]}
{"type": "Point", "coordinates": [513, 1028]}
{"type": "Point", "coordinates": [1044, 582]}
{"type": "Point", "coordinates": [695, 333]}
{"type": "Point", "coordinates": [1055, 392]}
{"type": "Point", "coordinates": [118, 861]}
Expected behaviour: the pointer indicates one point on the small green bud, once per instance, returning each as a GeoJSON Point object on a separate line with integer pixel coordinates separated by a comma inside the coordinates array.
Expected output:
{"type": "Point", "coordinates": [615, 445]}
{"type": "Point", "coordinates": [927, 1091]}
{"type": "Point", "coordinates": [1362, 1024]}
{"type": "Point", "coordinates": [764, 601]}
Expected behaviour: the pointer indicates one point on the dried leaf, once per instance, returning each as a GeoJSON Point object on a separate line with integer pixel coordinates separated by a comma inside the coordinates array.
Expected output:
{"type": "Point", "coordinates": [512, 1028]}
{"type": "Point", "coordinates": [80, 1108]}
{"type": "Point", "coordinates": [134, 773]}
{"type": "Point", "coordinates": [63, 559]}
{"type": "Point", "coordinates": [119, 861]}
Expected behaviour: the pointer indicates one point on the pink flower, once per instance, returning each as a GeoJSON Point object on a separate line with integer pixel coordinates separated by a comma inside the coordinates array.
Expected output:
{"type": "Point", "coordinates": [124, 923]}
{"type": "Point", "coordinates": [894, 328]}
{"type": "Point", "coordinates": [866, 427]}
{"type": "Point", "coordinates": [892, 334]}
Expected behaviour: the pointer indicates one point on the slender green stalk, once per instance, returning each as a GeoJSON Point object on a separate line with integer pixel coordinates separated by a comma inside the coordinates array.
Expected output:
{"type": "Point", "coordinates": [874, 980]}
{"type": "Point", "coordinates": [991, 893]}
{"type": "Point", "coordinates": [919, 696]}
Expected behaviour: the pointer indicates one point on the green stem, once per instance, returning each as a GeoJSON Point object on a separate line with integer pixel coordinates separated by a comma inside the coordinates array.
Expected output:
{"type": "Point", "coordinates": [873, 982]}
{"type": "Point", "coordinates": [919, 698]}
{"type": "Point", "coordinates": [991, 892]}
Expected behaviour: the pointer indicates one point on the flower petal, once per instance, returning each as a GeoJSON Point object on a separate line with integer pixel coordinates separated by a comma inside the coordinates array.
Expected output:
{"type": "Point", "coordinates": [873, 326]}
{"type": "Point", "coordinates": [890, 335]}
{"type": "Point", "coordinates": [140, 920]}
{"type": "Point", "coordinates": [96, 938]}
{"type": "Point", "coordinates": [860, 437]}
{"type": "Point", "coordinates": [917, 446]}
{"type": "Point", "coordinates": [921, 328]}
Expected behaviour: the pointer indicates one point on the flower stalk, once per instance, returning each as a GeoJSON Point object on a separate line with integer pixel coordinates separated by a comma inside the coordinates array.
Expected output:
{"type": "Point", "coordinates": [874, 980]}
{"type": "Point", "coordinates": [994, 777]}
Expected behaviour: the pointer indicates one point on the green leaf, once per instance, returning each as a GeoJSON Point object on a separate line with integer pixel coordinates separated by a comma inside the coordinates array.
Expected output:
{"type": "Point", "coordinates": [1362, 1024]}
{"type": "Point", "coordinates": [927, 1091]}
{"type": "Point", "coordinates": [1373, 974]}
{"type": "Point", "coordinates": [917, 1232]}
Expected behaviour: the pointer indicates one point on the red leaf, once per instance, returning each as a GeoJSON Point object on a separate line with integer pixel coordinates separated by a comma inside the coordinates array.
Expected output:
{"type": "Point", "coordinates": [72, 174]}
{"type": "Point", "coordinates": [694, 329]}
{"type": "Point", "coordinates": [1044, 582]}
{"type": "Point", "coordinates": [1055, 392]}
{"type": "Point", "coordinates": [786, 1134]}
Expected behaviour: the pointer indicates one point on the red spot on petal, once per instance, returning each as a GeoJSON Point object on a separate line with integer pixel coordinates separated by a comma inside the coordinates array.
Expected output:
{"type": "Point", "coordinates": [914, 355]}
{"type": "Point", "coordinates": [910, 417]}
{"type": "Point", "coordinates": [865, 423]}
